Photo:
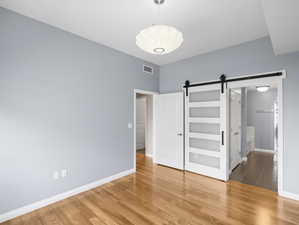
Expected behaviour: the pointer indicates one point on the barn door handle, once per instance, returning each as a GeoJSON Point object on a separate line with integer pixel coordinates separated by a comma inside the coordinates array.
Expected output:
{"type": "Point", "coordinates": [222, 137]}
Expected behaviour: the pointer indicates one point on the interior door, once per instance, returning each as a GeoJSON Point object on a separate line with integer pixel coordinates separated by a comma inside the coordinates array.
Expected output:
{"type": "Point", "coordinates": [169, 130]}
{"type": "Point", "coordinates": [235, 127]}
{"type": "Point", "coordinates": [205, 131]}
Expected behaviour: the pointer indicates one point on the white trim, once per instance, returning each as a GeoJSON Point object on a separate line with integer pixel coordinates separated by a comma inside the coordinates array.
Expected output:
{"type": "Point", "coordinates": [264, 150]}
{"type": "Point", "coordinates": [37, 205]}
{"type": "Point", "coordinates": [149, 155]}
{"type": "Point", "coordinates": [139, 91]}
{"type": "Point", "coordinates": [289, 195]}
{"type": "Point", "coordinates": [244, 159]}
{"type": "Point", "coordinates": [144, 92]}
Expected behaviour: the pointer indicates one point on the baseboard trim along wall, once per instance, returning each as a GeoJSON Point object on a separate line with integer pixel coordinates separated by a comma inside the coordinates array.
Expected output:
{"type": "Point", "coordinates": [40, 204]}
{"type": "Point", "coordinates": [263, 150]}
{"type": "Point", "coordinates": [140, 147]}
{"type": "Point", "coordinates": [289, 195]}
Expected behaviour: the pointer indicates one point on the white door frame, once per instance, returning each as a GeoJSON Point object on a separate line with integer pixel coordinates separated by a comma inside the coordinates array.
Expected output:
{"type": "Point", "coordinates": [144, 92]}
{"type": "Point", "coordinates": [278, 82]}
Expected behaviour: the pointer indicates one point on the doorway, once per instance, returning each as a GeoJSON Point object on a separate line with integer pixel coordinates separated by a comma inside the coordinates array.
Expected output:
{"type": "Point", "coordinates": [144, 130]}
{"type": "Point", "coordinates": [253, 135]}
{"type": "Point", "coordinates": [141, 123]}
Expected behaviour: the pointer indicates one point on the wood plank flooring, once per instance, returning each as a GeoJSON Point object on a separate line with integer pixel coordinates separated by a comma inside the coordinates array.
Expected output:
{"type": "Point", "coordinates": [160, 195]}
{"type": "Point", "coordinates": [140, 151]}
{"type": "Point", "coordinates": [259, 170]}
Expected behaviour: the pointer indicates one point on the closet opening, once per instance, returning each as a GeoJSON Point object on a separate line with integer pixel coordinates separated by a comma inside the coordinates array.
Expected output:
{"type": "Point", "coordinates": [253, 134]}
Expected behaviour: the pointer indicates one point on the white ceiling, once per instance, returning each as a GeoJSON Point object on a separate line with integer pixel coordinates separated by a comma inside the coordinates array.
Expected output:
{"type": "Point", "coordinates": [282, 18]}
{"type": "Point", "coordinates": [207, 25]}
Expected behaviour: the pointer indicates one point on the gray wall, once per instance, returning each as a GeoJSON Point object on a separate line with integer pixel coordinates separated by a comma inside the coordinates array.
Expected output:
{"type": "Point", "coordinates": [65, 102]}
{"type": "Point", "coordinates": [249, 58]}
{"type": "Point", "coordinates": [260, 115]}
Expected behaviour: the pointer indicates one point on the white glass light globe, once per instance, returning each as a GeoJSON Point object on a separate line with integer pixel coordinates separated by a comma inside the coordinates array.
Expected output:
{"type": "Point", "coordinates": [263, 88]}
{"type": "Point", "coordinates": [159, 39]}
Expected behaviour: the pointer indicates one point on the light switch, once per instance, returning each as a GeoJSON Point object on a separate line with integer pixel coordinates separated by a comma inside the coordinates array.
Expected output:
{"type": "Point", "coordinates": [130, 125]}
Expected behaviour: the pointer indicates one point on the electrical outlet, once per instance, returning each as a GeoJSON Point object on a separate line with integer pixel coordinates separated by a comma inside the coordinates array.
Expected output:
{"type": "Point", "coordinates": [56, 175]}
{"type": "Point", "coordinates": [63, 173]}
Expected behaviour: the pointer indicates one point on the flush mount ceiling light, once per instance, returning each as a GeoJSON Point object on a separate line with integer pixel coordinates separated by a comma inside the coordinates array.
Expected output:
{"type": "Point", "coordinates": [263, 88]}
{"type": "Point", "coordinates": [159, 39]}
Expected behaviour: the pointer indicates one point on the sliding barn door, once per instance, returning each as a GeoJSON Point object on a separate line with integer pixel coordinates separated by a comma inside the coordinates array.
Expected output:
{"type": "Point", "coordinates": [205, 131]}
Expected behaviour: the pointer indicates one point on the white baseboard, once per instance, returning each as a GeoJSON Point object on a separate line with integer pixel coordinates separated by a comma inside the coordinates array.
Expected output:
{"type": "Point", "coordinates": [37, 205]}
{"type": "Point", "coordinates": [149, 155]}
{"type": "Point", "coordinates": [263, 150]}
{"type": "Point", "coordinates": [244, 159]}
{"type": "Point", "coordinates": [289, 195]}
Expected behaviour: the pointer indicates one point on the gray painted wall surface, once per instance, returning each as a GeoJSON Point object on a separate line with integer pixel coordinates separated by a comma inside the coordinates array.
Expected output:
{"type": "Point", "coordinates": [260, 115]}
{"type": "Point", "coordinates": [249, 58]}
{"type": "Point", "coordinates": [65, 102]}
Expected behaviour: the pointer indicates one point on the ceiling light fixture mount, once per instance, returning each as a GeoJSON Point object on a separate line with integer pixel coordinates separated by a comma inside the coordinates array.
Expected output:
{"type": "Point", "coordinates": [159, 2]}
{"type": "Point", "coordinates": [159, 39]}
{"type": "Point", "coordinates": [159, 50]}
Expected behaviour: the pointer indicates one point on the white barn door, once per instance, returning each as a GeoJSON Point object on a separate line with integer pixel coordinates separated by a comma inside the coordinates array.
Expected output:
{"type": "Point", "coordinates": [206, 138]}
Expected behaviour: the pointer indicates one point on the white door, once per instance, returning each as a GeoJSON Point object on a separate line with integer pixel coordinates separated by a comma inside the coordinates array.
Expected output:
{"type": "Point", "coordinates": [235, 128]}
{"type": "Point", "coordinates": [169, 130]}
{"type": "Point", "coordinates": [205, 131]}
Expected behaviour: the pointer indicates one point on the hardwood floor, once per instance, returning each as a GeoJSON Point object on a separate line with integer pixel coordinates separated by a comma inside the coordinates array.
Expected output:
{"type": "Point", "coordinates": [141, 151]}
{"type": "Point", "coordinates": [160, 195]}
{"type": "Point", "coordinates": [259, 170]}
